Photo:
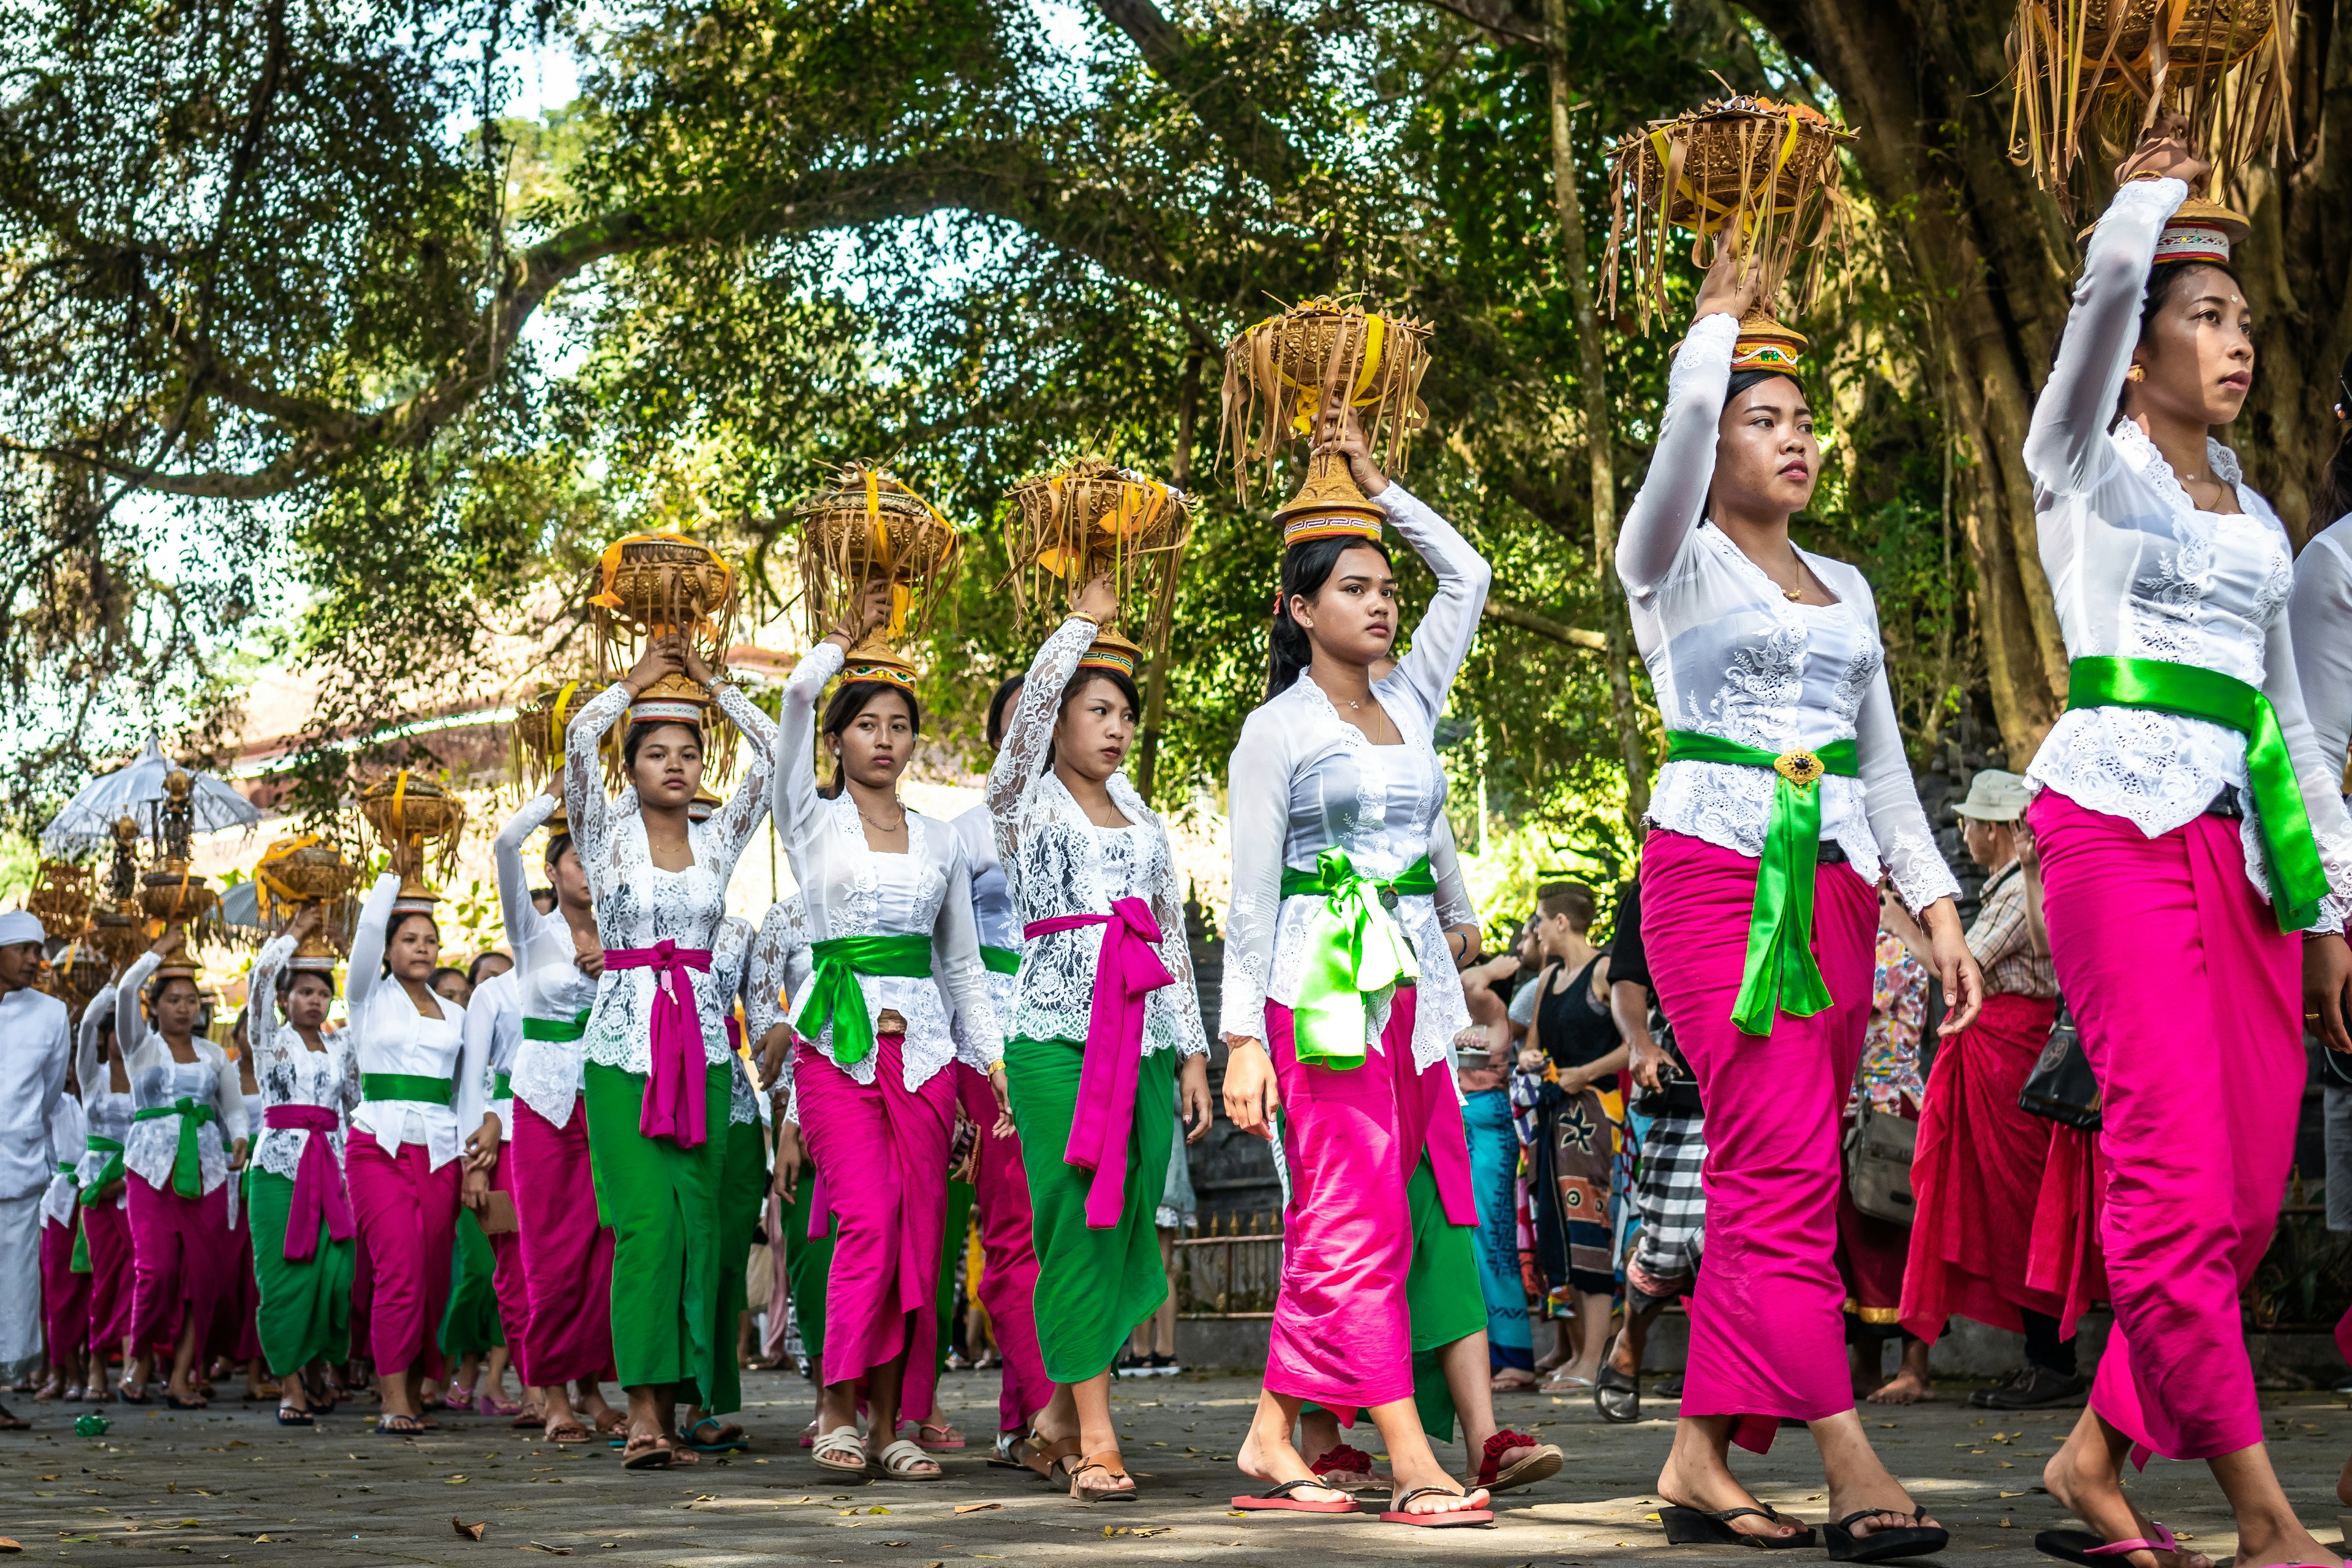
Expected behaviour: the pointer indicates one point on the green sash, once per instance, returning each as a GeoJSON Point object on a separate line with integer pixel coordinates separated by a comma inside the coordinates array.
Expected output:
{"type": "Point", "coordinates": [187, 1175]}
{"type": "Point", "coordinates": [406, 1086]}
{"type": "Point", "coordinates": [2297, 881]}
{"type": "Point", "coordinates": [562, 1031]}
{"type": "Point", "coordinates": [834, 996]}
{"type": "Point", "coordinates": [107, 1174]}
{"type": "Point", "coordinates": [501, 1085]}
{"type": "Point", "coordinates": [1000, 960]}
{"type": "Point", "coordinates": [1780, 975]}
{"type": "Point", "coordinates": [1353, 946]}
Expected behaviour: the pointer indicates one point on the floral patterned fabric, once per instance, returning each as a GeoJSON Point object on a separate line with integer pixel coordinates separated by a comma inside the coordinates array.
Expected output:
{"type": "Point", "coordinates": [1899, 1015]}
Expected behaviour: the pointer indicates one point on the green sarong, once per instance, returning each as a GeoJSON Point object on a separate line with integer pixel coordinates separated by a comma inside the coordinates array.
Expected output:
{"type": "Point", "coordinates": [1780, 974]}
{"type": "Point", "coordinates": [951, 1239]}
{"type": "Point", "coordinates": [1093, 1286]}
{"type": "Point", "coordinates": [1441, 1296]}
{"type": "Point", "coordinates": [305, 1313]}
{"type": "Point", "coordinates": [742, 1189]}
{"type": "Point", "coordinates": [662, 1203]}
{"type": "Point", "coordinates": [469, 1323]}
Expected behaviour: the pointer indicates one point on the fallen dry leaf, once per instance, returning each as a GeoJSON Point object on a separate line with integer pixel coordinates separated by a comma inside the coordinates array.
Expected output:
{"type": "Point", "coordinates": [967, 1506]}
{"type": "Point", "coordinates": [470, 1532]}
{"type": "Point", "coordinates": [705, 1497]}
{"type": "Point", "coordinates": [9, 1545]}
{"type": "Point", "coordinates": [551, 1551]}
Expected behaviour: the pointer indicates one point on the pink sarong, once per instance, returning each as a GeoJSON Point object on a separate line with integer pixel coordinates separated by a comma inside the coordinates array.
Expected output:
{"type": "Point", "coordinates": [883, 1295]}
{"type": "Point", "coordinates": [180, 1252]}
{"type": "Point", "coordinates": [567, 1257]}
{"type": "Point", "coordinates": [2200, 1063]}
{"type": "Point", "coordinates": [107, 1227]}
{"type": "Point", "coordinates": [1127, 971]}
{"type": "Point", "coordinates": [318, 1185]}
{"type": "Point", "coordinates": [1008, 1275]}
{"type": "Point", "coordinates": [1977, 1174]}
{"type": "Point", "coordinates": [673, 1104]}
{"type": "Point", "coordinates": [65, 1295]}
{"type": "Point", "coordinates": [407, 1222]}
{"type": "Point", "coordinates": [507, 1281]}
{"type": "Point", "coordinates": [1341, 1335]}
{"type": "Point", "coordinates": [236, 1316]}
{"type": "Point", "coordinates": [1767, 1321]}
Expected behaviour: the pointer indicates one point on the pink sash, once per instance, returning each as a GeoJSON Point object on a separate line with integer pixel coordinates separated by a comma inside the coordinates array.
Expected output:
{"type": "Point", "coordinates": [1127, 972]}
{"type": "Point", "coordinates": [673, 1103]}
{"type": "Point", "coordinates": [317, 1185]}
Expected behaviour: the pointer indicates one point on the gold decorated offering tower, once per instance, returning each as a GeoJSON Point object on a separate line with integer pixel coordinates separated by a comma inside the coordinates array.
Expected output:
{"type": "Point", "coordinates": [869, 526]}
{"type": "Point", "coordinates": [417, 823]}
{"type": "Point", "coordinates": [117, 926]}
{"type": "Point", "coordinates": [1314, 359]}
{"type": "Point", "coordinates": [173, 893]}
{"type": "Point", "coordinates": [303, 872]}
{"type": "Point", "coordinates": [653, 586]}
{"type": "Point", "coordinates": [1089, 519]}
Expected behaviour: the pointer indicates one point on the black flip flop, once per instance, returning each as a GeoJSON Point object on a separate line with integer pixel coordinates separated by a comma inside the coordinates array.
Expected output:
{"type": "Point", "coordinates": [1617, 1397]}
{"type": "Point", "coordinates": [289, 1416]}
{"type": "Point", "coordinates": [1914, 1540]}
{"type": "Point", "coordinates": [1700, 1527]}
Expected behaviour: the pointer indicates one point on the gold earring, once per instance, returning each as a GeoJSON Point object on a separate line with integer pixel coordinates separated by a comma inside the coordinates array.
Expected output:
{"type": "Point", "coordinates": [2137, 373]}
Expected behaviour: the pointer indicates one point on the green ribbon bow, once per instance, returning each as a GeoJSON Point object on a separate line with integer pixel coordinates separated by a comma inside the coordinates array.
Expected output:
{"type": "Point", "coordinates": [834, 996]}
{"type": "Point", "coordinates": [562, 1031]}
{"type": "Point", "coordinates": [408, 1086]}
{"type": "Point", "coordinates": [108, 1173]}
{"type": "Point", "coordinates": [1780, 974]}
{"type": "Point", "coordinates": [187, 1175]}
{"type": "Point", "coordinates": [1000, 960]}
{"type": "Point", "coordinates": [1354, 946]}
{"type": "Point", "coordinates": [2298, 882]}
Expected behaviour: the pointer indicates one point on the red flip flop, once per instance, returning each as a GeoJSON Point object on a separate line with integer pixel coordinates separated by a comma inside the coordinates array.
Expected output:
{"type": "Point", "coordinates": [1458, 1519]}
{"type": "Point", "coordinates": [1280, 1499]}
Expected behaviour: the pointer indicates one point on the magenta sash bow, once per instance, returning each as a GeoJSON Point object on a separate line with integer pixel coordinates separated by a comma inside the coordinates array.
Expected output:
{"type": "Point", "coordinates": [673, 1103]}
{"type": "Point", "coordinates": [317, 1185]}
{"type": "Point", "coordinates": [1129, 971]}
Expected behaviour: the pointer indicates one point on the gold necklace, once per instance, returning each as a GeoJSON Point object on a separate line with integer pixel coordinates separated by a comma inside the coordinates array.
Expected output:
{"type": "Point", "coordinates": [885, 827]}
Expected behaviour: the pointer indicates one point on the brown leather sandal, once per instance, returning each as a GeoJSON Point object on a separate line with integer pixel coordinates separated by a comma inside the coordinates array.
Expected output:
{"type": "Point", "coordinates": [1051, 1460]}
{"type": "Point", "coordinates": [1113, 1465]}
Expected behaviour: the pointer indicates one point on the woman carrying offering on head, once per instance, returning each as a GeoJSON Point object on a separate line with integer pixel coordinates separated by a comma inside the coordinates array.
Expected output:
{"type": "Point", "coordinates": [1104, 1027]}
{"type": "Point", "coordinates": [303, 1228]}
{"type": "Point", "coordinates": [655, 1080]}
{"type": "Point", "coordinates": [2182, 806]}
{"type": "Point", "coordinates": [887, 893]}
{"type": "Point", "coordinates": [1335, 1053]}
{"type": "Point", "coordinates": [1784, 794]}
{"type": "Point", "coordinates": [101, 1189]}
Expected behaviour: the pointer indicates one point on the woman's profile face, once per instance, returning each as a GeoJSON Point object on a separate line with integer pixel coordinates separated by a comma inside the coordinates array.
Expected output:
{"type": "Point", "coordinates": [179, 1006]}
{"type": "Point", "coordinates": [307, 1000]}
{"type": "Point", "coordinates": [2197, 353]}
{"type": "Point", "coordinates": [1766, 456]}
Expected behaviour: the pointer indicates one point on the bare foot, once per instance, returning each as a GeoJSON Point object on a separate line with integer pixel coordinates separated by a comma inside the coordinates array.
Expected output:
{"type": "Point", "coordinates": [1714, 1489]}
{"type": "Point", "coordinates": [1905, 1388]}
{"type": "Point", "coordinates": [1276, 1463]}
{"type": "Point", "coordinates": [1512, 1380]}
{"type": "Point", "coordinates": [2080, 1479]}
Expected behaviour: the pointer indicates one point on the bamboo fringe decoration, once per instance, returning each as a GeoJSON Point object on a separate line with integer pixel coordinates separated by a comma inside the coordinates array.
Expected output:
{"type": "Point", "coordinates": [1089, 518]}
{"type": "Point", "coordinates": [1770, 169]}
{"type": "Point", "coordinates": [869, 525]}
{"type": "Point", "coordinates": [535, 742]}
{"type": "Point", "coordinates": [417, 823]}
{"type": "Point", "coordinates": [1284, 371]}
{"type": "Point", "coordinates": [2106, 69]}
{"type": "Point", "coordinates": [657, 585]}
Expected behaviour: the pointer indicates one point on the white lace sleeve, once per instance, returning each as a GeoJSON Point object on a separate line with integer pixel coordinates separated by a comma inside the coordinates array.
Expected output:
{"type": "Point", "coordinates": [2065, 446]}
{"type": "Point", "coordinates": [1441, 637]}
{"type": "Point", "coordinates": [228, 1097]}
{"type": "Point", "coordinates": [1257, 797]}
{"type": "Point", "coordinates": [473, 1081]}
{"type": "Point", "coordinates": [955, 947]}
{"type": "Point", "coordinates": [131, 1033]}
{"type": "Point", "coordinates": [515, 908]}
{"type": "Point", "coordinates": [273, 1065]}
{"type": "Point", "coordinates": [1029, 729]}
{"type": "Point", "coordinates": [583, 780]}
{"type": "Point", "coordinates": [367, 945]}
{"type": "Point", "coordinates": [1453, 905]}
{"type": "Point", "coordinates": [735, 822]}
{"type": "Point", "coordinates": [2320, 616]}
{"type": "Point", "coordinates": [1176, 951]}
{"type": "Point", "coordinates": [792, 779]}
{"type": "Point", "coordinates": [478, 1036]}
{"type": "Point", "coordinates": [87, 1067]}
{"type": "Point", "coordinates": [1682, 465]}
{"type": "Point", "coordinates": [1890, 802]}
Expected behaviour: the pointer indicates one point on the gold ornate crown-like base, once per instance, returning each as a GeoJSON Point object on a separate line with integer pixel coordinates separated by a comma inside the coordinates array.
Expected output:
{"type": "Point", "coordinates": [1327, 506]}
{"type": "Point", "coordinates": [1113, 652]}
{"type": "Point", "coordinates": [873, 659]}
{"type": "Point", "coordinates": [672, 699]}
{"type": "Point", "coordinates": [315, 953]}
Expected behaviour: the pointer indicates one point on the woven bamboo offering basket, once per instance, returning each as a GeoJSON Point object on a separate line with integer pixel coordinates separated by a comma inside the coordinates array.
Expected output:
{"type": "Point", "coordinates": [295, 872]}
{"type": "Point", "coordinates": [60, 895]}
{"type": "Point", "coordinates": [1091, 519]}
{"type": "Point", "coordinates": [1316, 355]}
{"type": "Point", "coordinates": [418, 824]}
{"type": "Point", "coordinates": [2091, 74]}
{"type": "Point", "coordinates": [1768, 170]}
{"type": "Point", "coordinates": [657, 585]}
{"type": "Point", "coordinates": [535, 738]}
{"type": "Point", "coordinates": [868, 525]}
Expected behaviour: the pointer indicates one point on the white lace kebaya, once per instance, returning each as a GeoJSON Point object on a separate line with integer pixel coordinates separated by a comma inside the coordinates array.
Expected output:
{"type": "Point", "coordinates": [1730, 655]}
{"type": "Point", "coordinates": [1302, 780]}
{"type": "Point", "coordinates": [390, 1037]}
{"type": "Point", "coordinates": [106, 1110]}
{"type": "Point", "coordinates": [159, 1080]}
{"type": "Point", "coordinates": [1057, 861]}
{"type": "Point", "coordinates": [2320, 618]}
{"type": "Point", "coordinates": [779, 969]}
{"type": "Point", "coordinates": [728, 961]}
{"type": "Point", "coordinates": [290, 1072]}
{"type": "Point", "coordinates": [548, 984]}
{"type": "Point", "coordinates": [2138, 572]}
{"type": "Point", "coordinates": [637, 903]}
{"type": "Point", "coordinates": [849, 890]}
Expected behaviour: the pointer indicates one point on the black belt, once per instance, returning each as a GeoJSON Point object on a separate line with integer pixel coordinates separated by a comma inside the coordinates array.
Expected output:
{"type": "Point", "coordinates": [1832, 853]}
{"type": "Point", "coordinates": [2225, 804]}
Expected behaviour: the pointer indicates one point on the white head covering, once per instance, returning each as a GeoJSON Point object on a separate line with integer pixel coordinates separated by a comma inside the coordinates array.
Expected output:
{"type": "Point", "coordinates": [21, 925]}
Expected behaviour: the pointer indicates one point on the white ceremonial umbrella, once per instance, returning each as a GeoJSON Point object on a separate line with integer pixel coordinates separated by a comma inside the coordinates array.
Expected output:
{"type": "Point", "coordinates": [87, 823]}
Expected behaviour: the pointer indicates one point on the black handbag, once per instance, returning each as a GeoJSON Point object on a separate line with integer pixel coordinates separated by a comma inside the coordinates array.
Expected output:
{"type": "Point", "coordinates": [2062, 1086]}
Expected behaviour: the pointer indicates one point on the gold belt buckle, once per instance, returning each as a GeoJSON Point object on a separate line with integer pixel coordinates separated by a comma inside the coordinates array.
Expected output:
{"type": "Point", "coordinates": [1801, 768]}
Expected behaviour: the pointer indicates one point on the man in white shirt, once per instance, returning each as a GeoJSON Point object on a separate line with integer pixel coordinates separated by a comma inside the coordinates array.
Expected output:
{"type": "Point", "coordinates": [34, 1051]}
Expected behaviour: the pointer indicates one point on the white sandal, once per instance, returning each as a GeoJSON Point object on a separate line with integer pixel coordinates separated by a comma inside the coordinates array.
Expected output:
{"type": "Point", "coordinates": [898, 1461]}
{"type": "Point", "coordinates": [841, 1450]}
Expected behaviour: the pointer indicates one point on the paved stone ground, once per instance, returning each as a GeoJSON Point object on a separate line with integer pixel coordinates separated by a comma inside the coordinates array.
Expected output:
{"type": "Point", "coordinates": [230, 1487]}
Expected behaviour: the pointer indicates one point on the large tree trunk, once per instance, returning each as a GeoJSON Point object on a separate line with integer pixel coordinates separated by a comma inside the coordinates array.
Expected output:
{"type": "Point", "coordinates": [1922, 81]}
